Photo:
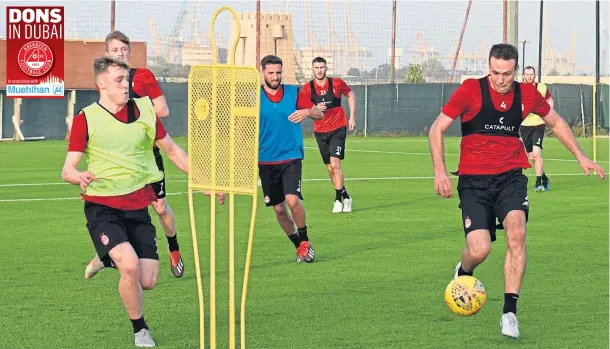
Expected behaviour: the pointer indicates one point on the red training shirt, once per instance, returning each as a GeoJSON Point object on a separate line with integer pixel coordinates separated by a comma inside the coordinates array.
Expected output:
{"type": "Point", "coordinates": [548, 90]}
{"type": "Point", "coordinates": [488, 155]}
{"type": "Point", "coordinates": [277, 97]}
{"type": "Point", "coordinates": [333, 118]}
{"type": "Point", "coordinates": [137, 200]}
{"type": "Point", "coordinates": [145, 84]}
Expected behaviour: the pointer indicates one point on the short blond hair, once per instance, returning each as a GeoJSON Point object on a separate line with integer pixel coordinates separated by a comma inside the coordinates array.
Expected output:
{"type": "Point", "coordinates": [117, 35]}
{"type": "Point", "coordinates": [101, 64]}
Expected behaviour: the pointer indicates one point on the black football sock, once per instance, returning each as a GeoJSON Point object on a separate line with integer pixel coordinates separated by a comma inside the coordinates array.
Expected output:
{"type": "Point", "coordinates": [538, 180]}
{"type": "Point", "coordinates": [463, 272]}
{"type": "Point", "coordinates": [337, 195]}
{"type": "Point", "coordinates": [139, 324]}
{"type": "Point", "coordinates": [544, 177]}
{"type": "Point", "coordinates": [510, 303]}
{"type": "Point", "coordinates": [295, 239]}
{"type": "Point", "coordinates": [344, 194]}
{"type": "Point", "coordinates": [303, 233]}
{"type": "Point", "coordinates": [172, 241]}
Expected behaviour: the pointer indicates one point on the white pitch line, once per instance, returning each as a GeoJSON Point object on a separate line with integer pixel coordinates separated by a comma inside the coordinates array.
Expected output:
{"type": "Point", "coordinates": [30, 184]}
{"type": "Point", "coordinates": [311, 148]}
{"type": "Point", "coordinates": [304, 180]}
{"type": "Point", "coordinates": [380, 152]}
{"type": "Point", "coordinates": [10, 185]}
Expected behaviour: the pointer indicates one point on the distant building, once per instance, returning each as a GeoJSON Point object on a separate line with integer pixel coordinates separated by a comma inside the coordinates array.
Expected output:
{"type": "Point", "coordinates": [276, 38]}
{"type": "Point", "coordinates": [201, 55]}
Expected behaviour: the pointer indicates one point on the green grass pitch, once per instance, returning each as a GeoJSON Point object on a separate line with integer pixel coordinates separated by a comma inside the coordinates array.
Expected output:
{"type": "Point", "coordinates": [378, 280]}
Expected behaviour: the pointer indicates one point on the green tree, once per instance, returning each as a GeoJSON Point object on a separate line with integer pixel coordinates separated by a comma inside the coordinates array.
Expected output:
{"type": "Point", "coordinates": [415, 74]}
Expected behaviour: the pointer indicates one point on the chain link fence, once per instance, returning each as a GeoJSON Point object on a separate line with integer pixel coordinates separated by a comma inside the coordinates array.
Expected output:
{"type": "Point", "coordinates": [356, 39]}
{"type": "Point", "coordinates": [381, 110]}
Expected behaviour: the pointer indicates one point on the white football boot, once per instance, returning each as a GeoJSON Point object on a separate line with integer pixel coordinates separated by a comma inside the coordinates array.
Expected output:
{"type": "Point", "coordinates": [337, 207]}
{"type": "Point", "coordinates": [347, 205]}
{"type": "Point", "coordinates": [510, 325]}
{"type": "Point", "coordinates": [93, 267]}
{"type": "Point", "coordinates": [143, 339]}
{"type": "Point", "coordinates": [457, 268]}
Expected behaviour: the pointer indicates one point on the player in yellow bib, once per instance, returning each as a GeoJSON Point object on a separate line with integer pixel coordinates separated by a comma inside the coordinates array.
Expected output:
{"type": "Point", "coordinates": [532, 132]}
{"type": "Point", "coordinates": [116, 135]}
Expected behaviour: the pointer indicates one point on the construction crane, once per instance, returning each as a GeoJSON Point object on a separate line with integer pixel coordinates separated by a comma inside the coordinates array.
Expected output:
{"type": "Point", "coordinates": [552, 60]}
{"type": "Point", "coordinates": [354, 56]}
{"type": "Point", "coordinates": [309, 32]}
{"type": "Point", "coordinates": [421, 49]}
{"type": "Point", "coordinates": [298, 58]}
{"type": "Point", "coordinates": [196, 35]}
{"type": "Point", "coordinates": [173, 37]}
{"type": "Point", "coordinates": [153, 34]}
{"type": "Point", "coordinates": [333, 39]}
{"type": "Point", "coordinates": [471, 61]}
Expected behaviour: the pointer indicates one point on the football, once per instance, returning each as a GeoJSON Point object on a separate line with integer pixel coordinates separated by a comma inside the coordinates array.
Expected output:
{"type": "Point", "coordinates": [465, 295]}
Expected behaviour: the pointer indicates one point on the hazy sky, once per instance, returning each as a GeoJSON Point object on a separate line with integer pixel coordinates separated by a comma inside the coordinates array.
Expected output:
{"type": "Point", "coordinates": [440, 23]}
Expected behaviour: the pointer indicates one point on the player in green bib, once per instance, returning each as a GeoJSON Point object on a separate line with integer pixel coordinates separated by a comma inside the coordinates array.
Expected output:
{"type": "Point", "coordinates": [532, 132]}
{"type": "Point", "coordinates": [115, 135]}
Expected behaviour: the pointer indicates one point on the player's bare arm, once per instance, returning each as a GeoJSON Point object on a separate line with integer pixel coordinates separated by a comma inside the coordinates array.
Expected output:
{"type": "Point", "coordinates": [316, 114]}
{"type": "Point", "coordinates": [173, 151]}
{"type": "Point", "coordinates": [550, 102]}
{"type": "Point", "coordinates": [564, 134]}
{"type": "Point", "coordinates": [160, 106]}
{"type": "Point", "coordinates": [72, 175]}
{"type": "Point", "coordinates": [351, 101]}
{"type": "Point", "coordinates": [180, 158]}
{"type": "Point", "coordinates": [302, 114]}
{"type": "Point", "coordinates": [442, 184]}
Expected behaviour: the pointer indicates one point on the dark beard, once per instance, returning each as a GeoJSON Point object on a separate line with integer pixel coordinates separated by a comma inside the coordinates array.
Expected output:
{"type": "Point", "coordinates": [271, 87]}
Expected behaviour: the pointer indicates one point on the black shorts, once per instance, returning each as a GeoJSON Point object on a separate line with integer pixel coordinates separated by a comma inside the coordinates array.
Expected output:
{"type": "Point", "coordinates": [159, 187]}
{"type": "Point", "coordinates": [532, 136]}
{"type": "Point", "coordinates": [483, 198]}
{"type": "Point", "coordinates": [279, 180]}
{"type": "Point", "coordinates": [332, 144]}
{"type": "Point", "coordinates": [109, 227]}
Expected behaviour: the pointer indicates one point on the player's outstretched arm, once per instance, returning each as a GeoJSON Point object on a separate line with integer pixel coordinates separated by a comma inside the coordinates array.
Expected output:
{"type": "Point", "coordinates": [562, 131]}
{"type": "Point", "coordinates": [72, 175]}
{"type": "Point", "coordinates": [442, 184]}
{"type": "Point", "coordinates": [316, 113]}
{"type": "Point", "coordinates": [173, 151]}
{"type": "Point", "coordinates": [302, 114]}
{"type": "Point", "coordinates": [180, 158]}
